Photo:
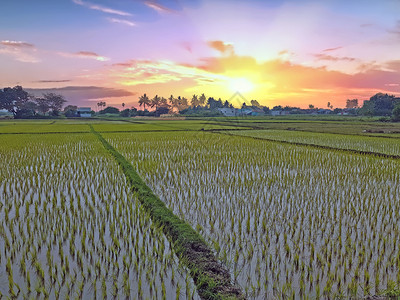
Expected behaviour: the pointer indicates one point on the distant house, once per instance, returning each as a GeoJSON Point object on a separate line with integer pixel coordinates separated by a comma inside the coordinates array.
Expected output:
{"type": "Point", "coordinates": [84, 112]}
{"type": "Point", "coordinates": [248, 111]}
{"type": "Point", "coordinates": [228, 111]}
{"type": "Point", "coordinates": [279, 112]}
{"type": "Point", "coordinates": [323, 111]}
{"type": "Point", "coordinates": [256, 111]}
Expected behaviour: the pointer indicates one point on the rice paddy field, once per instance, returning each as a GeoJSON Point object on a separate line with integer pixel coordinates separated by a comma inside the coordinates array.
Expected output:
{"type": "Point", "coordinates": [71, 228]}
{"type": "Point", "coordinates": [288, 219]}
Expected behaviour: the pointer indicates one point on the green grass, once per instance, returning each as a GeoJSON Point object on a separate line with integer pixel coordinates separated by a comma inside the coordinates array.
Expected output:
{"type": "Point", "coordinates": [364, 144]}
{"type": "Point", "coordinates": [284, 218]}
{"type": "Point", "coordinates": [188, 244]}
{"type": "Point", "coordinates": [351, 127]}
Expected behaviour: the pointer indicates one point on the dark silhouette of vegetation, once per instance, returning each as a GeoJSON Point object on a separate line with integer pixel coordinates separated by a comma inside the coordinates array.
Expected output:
{"type": "Point", "coordinates": [352, 103]}
{"type": "Point", "coordinates": [396, 113]}
{"type": "Point", "coordinates": [22, 105]}
{"type": "Point", "coordinates": [109, 110]}
{"type": "Point", "coordinates": [101, 104]}
{"type": "Point", "coordinates": [70, 111]}
{"type": "Point", "coordinates": [379, 105]}
{"type": "Point", "coordinates": [143, 101]}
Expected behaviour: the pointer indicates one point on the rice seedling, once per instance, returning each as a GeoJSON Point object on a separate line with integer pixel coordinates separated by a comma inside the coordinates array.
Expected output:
{"type": "Point", "coordinates": [310, 217]}
{"type": "Point", "coordinates": [56, 233]}
{"type": "Point", "coordinates": [348, 142]}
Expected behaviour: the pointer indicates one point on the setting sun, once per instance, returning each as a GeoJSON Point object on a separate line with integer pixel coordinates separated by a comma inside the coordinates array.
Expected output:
{"type": "Point", "coordinates": [241, 85]}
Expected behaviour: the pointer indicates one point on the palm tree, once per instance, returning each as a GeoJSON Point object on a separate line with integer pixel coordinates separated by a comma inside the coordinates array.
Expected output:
{"type": "Point", "coordinates": [164, 102]}
{"type": "Point", "coordinates": [195, 101]}
{"type": "Point", "coordinates": [183, 103]}
{"type": "Point", "coordinates": [144, 100]}
{"type": "Point", "coordinates": [155, 101]}
{"type": "Point", "coordinates": [202, 99]}
{"type": "Point", "coordinates": [172, 100]}
{"type": "Point", "coordinates": [101, 104]}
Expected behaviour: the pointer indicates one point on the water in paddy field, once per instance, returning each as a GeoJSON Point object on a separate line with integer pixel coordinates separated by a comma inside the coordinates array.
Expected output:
{"type": "Point", "coordinates": [286, 220]}
{"type": "Point", "coordinates": [71, 227]}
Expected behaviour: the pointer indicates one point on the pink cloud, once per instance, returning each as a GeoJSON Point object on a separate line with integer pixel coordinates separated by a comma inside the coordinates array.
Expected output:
{"type": "Point", "coordinates": [332, 49]}
{"type": "Point", "coordinates": [333, 58]}
{"type": "Point", "coordinates": [158, 7]}
{"type": "Point", "coordinates": [84, 54]}
{"type": "Point", "coordinates": [17, 44]}
{"type": "Point", "coordinates": [21, 51]}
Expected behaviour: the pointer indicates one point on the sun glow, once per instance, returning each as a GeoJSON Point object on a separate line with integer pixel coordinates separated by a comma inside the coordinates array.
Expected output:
{"type": "Point", "coordinates": [241, 85]}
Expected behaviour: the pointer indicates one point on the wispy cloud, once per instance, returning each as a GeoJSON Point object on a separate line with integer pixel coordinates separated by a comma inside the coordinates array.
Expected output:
{"type": "Point", "coordinates": [84, 54]}
{"type": "Point", "coordinates": [121, 21]}
{"type": "Point", "coordinates": [332, 49]}
{"type": "Point", "coordinates": [102, 8]}
{"type": "Point", "coordinates": [322, 56]}
{"type": "Point", "coordinates": [17, 44]}
{"type": "Point", "coordinates": [52, 81]}
{"type": "Point", "coordinates": [158, 7]}
{"type": "Point", "coordinates": [21, 51]}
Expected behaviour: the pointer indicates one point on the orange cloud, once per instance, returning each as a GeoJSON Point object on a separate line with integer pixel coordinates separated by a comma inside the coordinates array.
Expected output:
{"type": "Point", "coordinates": [139, 72]}
{"type": "Point", "coordinates": [276, 81]}
{"type": "Point", "coordinates": [222, 47]}
{"type": "Point", "coordinates": [297, 84]}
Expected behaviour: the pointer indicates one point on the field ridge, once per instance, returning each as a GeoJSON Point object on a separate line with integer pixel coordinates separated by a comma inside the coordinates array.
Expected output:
{"type": "Point", "coordinates": [351, 151]}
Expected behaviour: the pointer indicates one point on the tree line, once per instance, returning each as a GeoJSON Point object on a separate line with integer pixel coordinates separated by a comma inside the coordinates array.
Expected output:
{"type": "Point", "coordinates": [198, 105]}
{"type": "Point", "coordinates": [23, 105]}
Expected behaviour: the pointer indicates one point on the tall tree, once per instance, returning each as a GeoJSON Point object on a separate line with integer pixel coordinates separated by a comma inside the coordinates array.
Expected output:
{"type": "Point", "coordinates": [184, 104]}
{"type": "Point", "coordinates": [42, 105]}
{"type": "Point", "coordinates": [13, 99]}
{"type": "Point", "coordinates": [164, 103]}
{"type": "Point", "coordinates": [55, 102]}
{"type": "Point", "coordinates": [155, 101]}
{"type": "Point", "coordinates": [202, 100]}
{"type": "Point", "coordinates": [173, 102]}
{"type": "Point", "coordinates": [351, 103]}
{"type": "Point", "coordinates": [144, 100]}
{"type": "Point", "coordinates": [396, 113]}
{"type": "Point", "coordinates": [195, 101]}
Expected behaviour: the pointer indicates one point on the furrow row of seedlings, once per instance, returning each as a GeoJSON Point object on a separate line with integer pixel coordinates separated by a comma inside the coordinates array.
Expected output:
{"type": "Point", "coordinates": [70, 226]}
{"type": "Point", "coordinates": [288, 221]}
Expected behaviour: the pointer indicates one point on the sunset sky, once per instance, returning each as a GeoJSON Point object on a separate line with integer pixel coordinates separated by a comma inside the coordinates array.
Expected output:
{"type": "Point", "coordinates": [278, 52]}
